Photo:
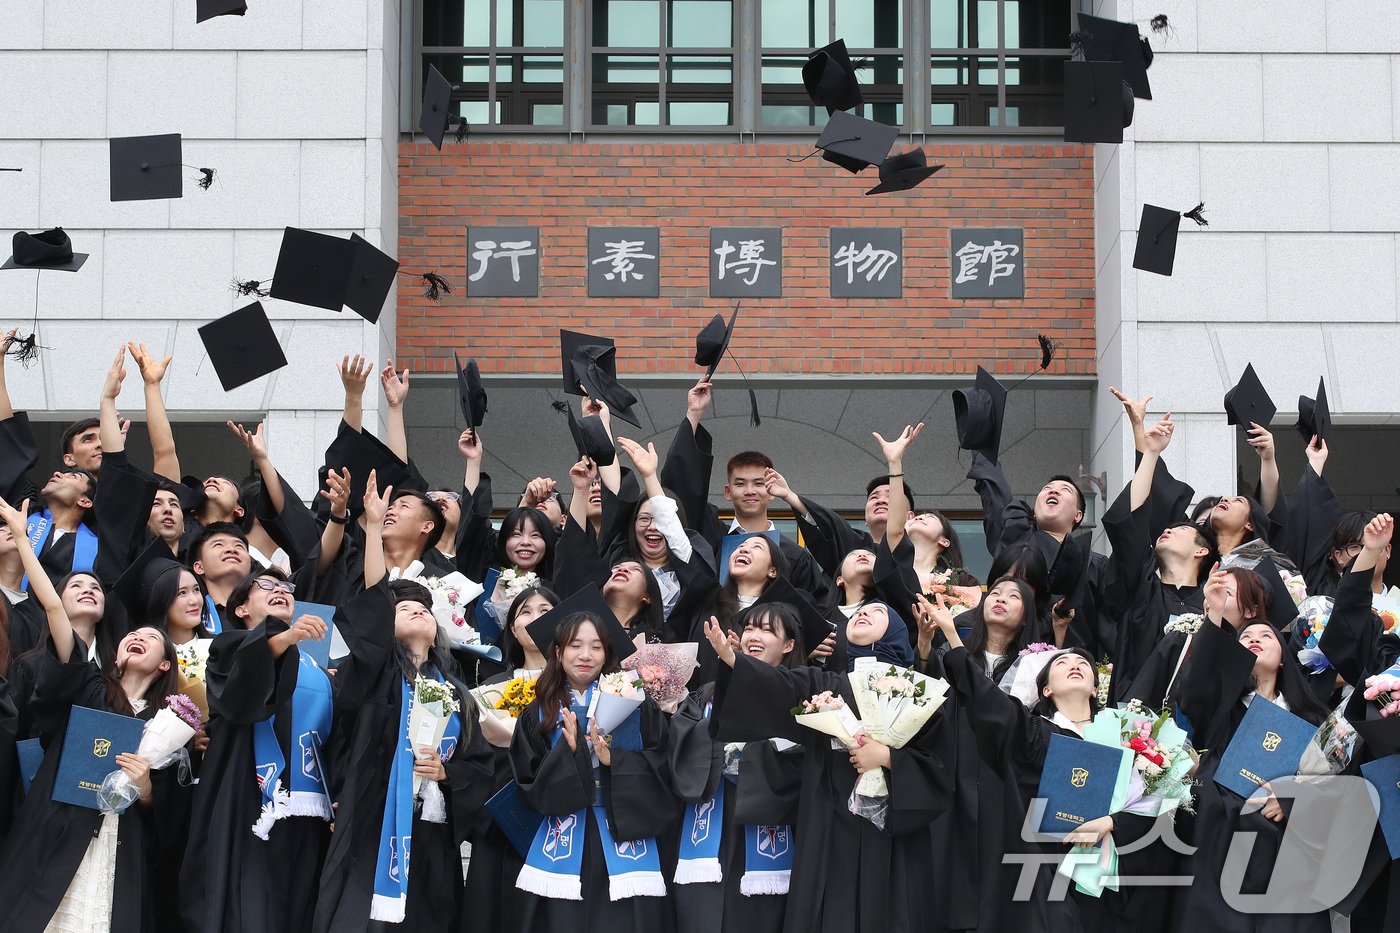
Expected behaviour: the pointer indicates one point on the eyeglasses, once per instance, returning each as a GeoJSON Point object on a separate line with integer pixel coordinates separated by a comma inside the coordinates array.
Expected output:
{"type": "Point", "coordinates": [1351, 550]}
{"type": "Point", "coordinates": [445, 496]}
{"type": "Point", "coordinates": [271, 585]}
{"type": "Point", "coordinates": [646, 521]}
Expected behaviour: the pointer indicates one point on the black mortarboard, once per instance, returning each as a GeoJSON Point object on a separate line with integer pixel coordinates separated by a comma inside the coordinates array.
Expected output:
{"type": "Point", "coordinates": [589, 600]}
{"type": "Point", "coordinates": [208, 9]}
{"type": "Point", "coordinates": [815, 626]}
{"type": "Point", "coordinates": [978, 413]}
{"type": "Point", "coordinates": [854, 142]}
{"type": "Point", "coordinates": [1112, 41]}
{"type": "Point", "coordinates": [1094, 95]}
{"type": "Point", "coordinates": [146, 168]}
{"type": "Point", "coordinates": [242, 346]}
{"type": "Point", "coordinates": [569, 343]}
{"type": "Point", "coordinates": [590, 436]}
{"type": "Point", "coordinates": [595, 366]}
{"type": "Point", "coordinates": [830, 78]}
{"type": "Point", "coordinates": [312, 269]}
{"type": "Point", "coordinates": [903, 171]}
{"type": "Point", "coordinates": [48, 250]}
{"type": "Point", "coordinates": [713, 340]}
{"type": "Point", "coordinates": [144, 571]}
{"type": "Point", "coordinates": [471, 395]}
{"type": "Point", "coordinates": [370, 279]}
{"type": "Point", "coordinates": [1314, 417]}
{"type": "Point", "coordinates": [437, 106]}
{"type": "Point", "coordinates": [1157, 232]}
{"type": "Point", "coordinates": [1248, 402]}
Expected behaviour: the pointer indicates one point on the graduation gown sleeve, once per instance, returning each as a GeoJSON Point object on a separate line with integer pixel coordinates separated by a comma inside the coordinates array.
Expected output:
{"type": "Point", "coordinates": [19, 452]}
{"type": "Point", "coordinates": [549, 779]}
{"type": "Point", "coordinates": [686, 472]}
{"type": "Point", "coordinates": [837, 538]}
{"type": "Point", "coordinates": [246, 683]}
{"type": "Point", "coordinates": [1312, 514]}
{"type": "Point", "coordinates": [639, 799]}
{"type": "Point", "coordinates": [694, 757]}
{"type": "Point", "coordinates": [1004, 520]}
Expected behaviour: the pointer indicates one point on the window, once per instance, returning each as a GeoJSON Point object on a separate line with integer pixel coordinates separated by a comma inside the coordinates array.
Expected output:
{"type": "Point", "coordinates": [929, 66]}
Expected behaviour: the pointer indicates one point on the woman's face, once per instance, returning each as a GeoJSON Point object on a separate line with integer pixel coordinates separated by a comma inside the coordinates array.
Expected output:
{"type": "Point", "coordinates": [142, 652]}
{"type": "Point", "coordinates": [858, 568]}
{"type": "Point", "coordinates": [628, 582]}
{"type": "Point", "coordinates": [530, 610]}
{"type": "Point", "coordinates": [650, 540]}
{"type": "Point", "coordinates": [925, 528]}
{"type": "Point", "coordinates": [414, 622]}
{"type": "Point", "coordinates": [752, 561]}
{"type": "Point", "coordinates": [1261, 639]}
{"type": "Point", "coordinates": [185, 613]}
{"type": "Point", "coordinates": [82, 598]}
{"type": "Point", "coordinates": [1070, 675]}
{"type": "Point", "coordinates": [582, 657]}
{"type": "Point", "coordinates": [868, 625]}
{"type": "Point", "coordinates": [760, 641]}
{"type": "Point", "coordinates": [268, 598]}
{"type": "Point", "coordinates": [525, 546]}
{"type": "Point", "coordinates": [1004, 606]}
{"type": "Point", "coordinates": [1230, 515]}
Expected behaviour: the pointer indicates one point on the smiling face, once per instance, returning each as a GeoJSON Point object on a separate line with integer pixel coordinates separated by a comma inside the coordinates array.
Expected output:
{"type": "Point", "coordinates": [223, 496]}
{"type": "Point", "coordinates": [167, 520]}
{"type": "Point", "coordinates": [1004, 606]}
{"type": "Point", "coordinates": [142, 652]}
{"type": "Point", "coordinates": [763, 638]}
{"type": "Point", "coordinates": [595, 500]}
{"type": "Point", "coordinates": [858, 569]}
{"type": "Point", "coordinates": [83, 598]}
{"type": "Point", "coordinates": [269, 597]}
{"type": "Point", "coordinates": [530, 610]}
{"type": "Point", "coordinates": [1070, 675]}
{"type": "Point", "coordinates": [1057, 507]}
{"type": "Point", "coordinates": [1261, 639]}
{"type": "Point", "coordinates": [752, 560]}
{"type": "Point", "coordinates": [1231, 516]}
{"type": "Point", "coordinates": [223, 556]}
{"type": "Point", "coordinates": [414, 622]}
{"type": "Point", "coordinates": [186, 612]}
{"type": "Point", "coordinates": [748, 492]}
{"type": "Point", "coordinates": [868, 625]}
{"type": "Point", "coordinates": [628, 583]}
{"type": "Point", "coordinates": [650, 541]}
{"type": "Point", "coordinates": [582, 656]}
{"type": "Point", "coordinates": [525, 546]}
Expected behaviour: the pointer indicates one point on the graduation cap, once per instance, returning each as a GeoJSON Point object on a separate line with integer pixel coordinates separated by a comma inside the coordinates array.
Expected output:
{"type": "Point", "coordinates": [370, 280]}
{"type": "Point", "coordinates": [815, 626]}
{"type": "Point", "coordinates": [569, 343]}
{"type": "Point", "coordinates": [710, 346]}
{"type": "Point", "coordinates": [1314, 417]}
{"type": "Point", "coordinates": [590, 436]}
{"type": "Point", "coordinates": [1098, 102]}
{"type": "Point", "coordinates": [1107, 40]}
{"type": "Point", "coordinates": [208, 9]}
{"type": "Point", "coordinates": [50, 249]}
{"type": "Point", "coordinates": [242, 346]}
{"type": "Point", "coordinates": [855, 143]}
{"type": "Point", "coordinates": [979, 413]}
{"type": "Point", "coordinates": [904, 171]}
{"type": "Point", "coordinates": [471, 395]}
{"type": "Point", "coordinates": [325, 271]}
{"type": "Point", "coordinates": [830, 78]}
{"type": "Point", "coordinates": [437, 103]}
{"type": "Point", "coordinates": [1248, 402]}
{"type": "Point", "coordinates": [594, 365]}
{"type": "Point", "coordinates": [146, 168]}
{"type": "Point", "coordinates": [359, 452]}
{"type": "Point", "coordinates": [1156, 243]}
{"type": "Point", "coordinates": [589, 600]}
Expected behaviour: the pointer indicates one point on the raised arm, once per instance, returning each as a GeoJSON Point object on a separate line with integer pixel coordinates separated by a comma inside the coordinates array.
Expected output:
{"type": "Point", "coordinates": [165, 460]}
{"type": "Point", "coordinates": [375, 507]}
{"type": "Point", "coordinates": [610, 475]}
{"type": "Point", "coordinates": [1262, 441]}
{"type": "Point", "coordinates": [581, 476]}
{"type": "Point", "coordinates": [354, 373]}
{"type": "Point", "coordinates": [109, 427]}
{"type": "Point", "coordinates": [40, 587]}
{"type": "Point", "coordinates": [899, 502]}
{"type": "Point", "coordinates": [395, 392]}
{"type": "Point", "coordinates": [256, 444]}
{"type": "Point", "coordinates": [337, 493]}
{"type": "Point", "coordinates": [7, 410]}
{"type": "Point", "coordinates": [1136, 412]}
{"type": "Point", "coordinates": [663, 508]}
{"type": "Point", "coordinates": [1154, 440]}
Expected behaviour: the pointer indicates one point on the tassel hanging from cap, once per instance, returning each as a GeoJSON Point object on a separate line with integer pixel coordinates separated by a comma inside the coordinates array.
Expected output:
{"type": "Point", "coordinates": [251, 288]}
{"type": "Point", "coordinates": [464, 130]}
{"type": "Point", "coordinates": [1197, 214]}
{"type": "Point", "coordinates": [24, 349]}
{"type": "Point", "coordinates": [754, 419]}
{"type": "Point", "coordinates": [435, 286]}
{"type": "Point", "coordinates": [1079, 44]}
{"type": "Point", "coordinates": [1159, 23]}
{"type": "Point", "coordinates": [206, 178]}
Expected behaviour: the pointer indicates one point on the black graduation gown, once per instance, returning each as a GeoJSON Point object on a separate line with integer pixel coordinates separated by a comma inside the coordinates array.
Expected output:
{"type": "Point", "coordinates": [1008, 521]}
{"type": "Point", "coordinates": [1212, 684]}
{"type": "Point", "coordinates": [368, 702]}
{"type": "Point", "coordinates": [848, 875]}
{"type": "Point", "coordinates": [48, 840]}
{"type": "Point", "coordinates": [232, 880]}
{"type": "Point", "coordinates": [766, 793]}
{"type": "Point", "coordinates": [1312, 514]}
{"type": "Point", "coordinates": [835, 539]}
{"type": "Point", "coordinates": [556, 782]}
{"type": "Point", "coordinates": [11, 788]}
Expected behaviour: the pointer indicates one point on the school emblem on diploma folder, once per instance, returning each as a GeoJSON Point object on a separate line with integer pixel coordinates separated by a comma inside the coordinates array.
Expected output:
{"type": "Point", "coordinates": [1271, 741]}
{"type": "Point", "coordinates": [1078, 777]}
{"type": "Point", "coordinates": [101, 748]}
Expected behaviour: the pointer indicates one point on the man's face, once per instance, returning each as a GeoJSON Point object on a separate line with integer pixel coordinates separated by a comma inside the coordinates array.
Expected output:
{"type": "Point", "coordinates": [86, 451]}
{"type": "Point", "coordinates": [747, 491]}
{"type": "Point", "coordinates": [167, 521]}
{"type": "Point", "coordinates": [223, 556]}
{"type": "Point", "coordinates": [405, 519]}
{"type": "Point", "coordinates": [877, 507]}
{"type": "Point", "coordinates": [1057, 506]}
{"type": "Point", "coordinates": [68, 488]}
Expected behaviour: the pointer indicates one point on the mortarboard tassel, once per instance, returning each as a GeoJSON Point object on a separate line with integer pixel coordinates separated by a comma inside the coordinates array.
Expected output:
{"type": "Point", "coordinates": [1159, 23]}
{"type": "Point", "coordinates": [1079, 44]}
{"type": "Point", "coordinates": [207, 180]}
{"type": "Point", "coordinates": [560, 406]}
{"type": "Point", "coordinates": [435, 286]}
{"type": "Point", "coordinates": [754, 419]}
{"type": "Point", "coordinates": [1197, 214]}
{"type": "Point", "coordinates": [25, 349]}
{"type": "Point", "coordinates": [464, 130]}
{"type": "Point", "coordinates": [251, 287]}
{"type": "Point", "coordinates": [1047, 350]}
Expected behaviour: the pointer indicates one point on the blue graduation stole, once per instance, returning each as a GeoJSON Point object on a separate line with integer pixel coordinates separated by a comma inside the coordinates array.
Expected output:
{"type": "Point", "coordinates": [40, 525]}
{"type": "Point", "coordinates": [486, 625]}
{"type": "Point", "coordinates": [210, 617]}
{"type": "Point", "coordinates": [554, 864]}
{"type": "Point", "coordinates": [312, 717]}
{"type": "Point", "coordinates": [390, 899]}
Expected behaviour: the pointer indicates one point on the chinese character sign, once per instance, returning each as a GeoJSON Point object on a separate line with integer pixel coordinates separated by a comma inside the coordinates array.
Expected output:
{"type": "Point", "coordinates": [866, 262]}
{"type": "Point", "coordinates": [624, 262]}
{"type": "Point", "coordinates": [988, 263]}
{"type": "Point", "coordinates": [503, 262]}
{"type": "Point", "coordinates": [746, 262]}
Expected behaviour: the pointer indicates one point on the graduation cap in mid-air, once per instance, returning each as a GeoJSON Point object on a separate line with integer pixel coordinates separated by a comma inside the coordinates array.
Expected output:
{"type": "Point", "coordinates": [904, 171]}
{"type": "Point", "coordinates": [1098, 102]}
{"type": "Point", "coordinates": [325, 271]}
{"type": "Point", "coordinates": [1157, 233]}
{"type": "Point", "coordinates": [208, 9]}
{"type": "Point", "coordinates": [471, 394]}
{"type": "Point", "coordinates": [1314, 417]}
{"type": "Point", "coordinates": [242, 346]}
{"type": "Point", "coordinates": [854, 143]}
{"type": "Point", "coordinates": [978, 414]}
{"type": "Point", "coordinates": [1248, 402]}
{"type": "Point", "coordinates": [829, 76]}
{"type": "Point", "coordinates": [149, 168]}
{"type": "Point", "coordinates": [1107, 40]}
{"type": "Point", "coordinates": [591, 362]}
{"type": "Point", "coordinates": [710, 346]}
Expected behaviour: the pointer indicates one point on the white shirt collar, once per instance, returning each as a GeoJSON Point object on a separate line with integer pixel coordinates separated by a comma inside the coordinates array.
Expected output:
{"type": "Point", "coordinates": [735, 526]}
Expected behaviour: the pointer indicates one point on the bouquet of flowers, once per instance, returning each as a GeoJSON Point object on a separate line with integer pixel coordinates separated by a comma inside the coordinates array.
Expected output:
{"type": "Point", "coordinates": [452, 594]}
{"type": "Point", "coordinates": [1313, 614]}
{"type": "Point", "coordinates": [1163, 761]}
{"type": "Point", "coordinates": [512, 697]}
{"type": "Point", "coordinates": [619, 693]}
{"type": "Point", "coordinates": [1103, 679]}
{"type": "Point", "coordinates": [1387, 606]}
{"type": "Point", "coordinates": [1384, 690]}
{"type": "Point", "coordinates": [828, 714]}
{"type": "Point", "coordinates": [513, 582]}
{"type": "Point", "coordinates": [163, 741]}
{"type": "Point", "coordinates": [1330, 748]}
{"type": "Point", "coordinates": [894, 704]}
{"type": "Point", "coordinates": [192, 656]}
{"type": "Point", "coordinates": [958, 599]}
{"type": "Point", "coordinates": [1187, 623]}
{"type": "Point", "coordinates": [1019, 679]}
{"type": "Point", "coordinates": [664, 670]}
{"type": "Point", "coordinates": [434, 702]}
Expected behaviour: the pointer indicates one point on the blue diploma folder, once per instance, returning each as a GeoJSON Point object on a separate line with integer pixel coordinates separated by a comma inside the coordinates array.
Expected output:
{"type": "Point", "coordinates": [516, 820]}
{"type": "Point", "coordinates": [1384, 775]}
{"type": "Point", "coordinates": [319, 650]}
{"type": "Point", "coordinates": [1268, 744]}
{"type": "Point", "coordinates": [90, 748]}
{"type": "Point", "coordinates": [31, 756]}
{"type": "Point", "coordinates": [1078, 782]}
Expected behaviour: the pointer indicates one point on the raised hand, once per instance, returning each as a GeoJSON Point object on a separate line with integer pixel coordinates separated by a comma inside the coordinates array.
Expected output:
{"type": "Point", "coordinates": [16, 519]}
{"type": "Point", "coordinates": [337, 491]}
{"type": "Point", "coordinates": [777, 486]}
{"type": "Point", "coordinates": [720, 641]}
{"type": "Point", "coordinates": [643, 458]}
{"type": "Point", "coordinates": [306, 628]}
{"type": "Point", "coordinates": [1317, 454]}
{"type": "Point", "coordinates": [1375, 537]}
{"type": "Point", "coordinates": [894, 450]}
{"type": "Point", "coordinates": [152, 370]}
{"type": "Point", "coordinates": [395, 386]}
{"type": "Point", "coordinates": [1219, 594]}
{"type": "Point", "coordinates": [254, 441]}
{"type": "Point", "coordinates": [1136, 410]}
{"type": "Point", "coordinates": [537, 490]}
{"type": "Point", "coordinates": [354, 374]}
{"type": "Point", "coordinates": [469, 443]}
{"type": "Point", "coordinates": [113, 386]}
{"type": "Point", "coordinates": [581, 474]}
{"type": "Point", "coordinates": [375, 504]}
{"type": "Point", "coordinates": [570, 728]}
{"type": "Point", "coordinates": [1157, 437]}
{"type": "Point", "coordinates": [698, 398]}
{"type": "Point", "coordinates": [1262, 440]}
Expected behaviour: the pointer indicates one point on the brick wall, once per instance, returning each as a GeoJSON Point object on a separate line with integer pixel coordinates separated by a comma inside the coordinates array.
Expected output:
{"type": "Point", "coordinates": [686, 188]}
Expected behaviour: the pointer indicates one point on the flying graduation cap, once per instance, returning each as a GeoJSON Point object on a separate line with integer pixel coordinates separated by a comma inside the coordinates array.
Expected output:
{"type": "Point", "coordinates": [904, 171]}
{"type": "Point", "coordinates": [149, 168]}
{"type": "Point", "coordinates": [590, 436]}
{"type": "Point", "coordinates": [1157, 231]}
{"type": "Point", "coordinates": [854, 143]}
{"type": "Point", "coordinates": [242, 346]}
{"type": "Point", "coordinates": [208, 9]}
{"type": "Point", "coordinates": [1248, 402]}
{"type": "Point", "coordinates": [592, 362]}
{"type": "Point", "coordinates": [437, 109]}
{"type": "Point", "coordinates": [1107, 40]}
{"type": "Point", "coordinates": [979, 412]}
{"type": "Point", "coordinates": [710, 346]}
{"type": "Point", "coordinates": [471, 394]}
{"type": "Point", "coordinates": [1314, 416]}
{"type": "Point", "coordinates": [50, 249]}
{"type": "Point", "coordinates": [829, 76]}
{"type": "Point", "coordinates": [325, 271]}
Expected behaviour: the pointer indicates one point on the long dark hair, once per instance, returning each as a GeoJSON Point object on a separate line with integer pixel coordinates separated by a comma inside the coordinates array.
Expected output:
{"type": "Point", "coordinates": [513, 520]}
{"type": "Point", "coordinates": [1024, 561]}
{"type": "Point", "coordinates": [650, 618]}
{"type": "Point", "coordinates": [782, 620]}
{"type": "Point", "coordinates": [161, 596]}
{"type": "Point", "coordinates": [105, 635]}
{"type": "Point", "coordinates": [952, 556]}
{"type": "Point", "coordinates": [512, 651]}
{"type": "Point", "coordinates": [726, 603]}
{"type": "Point", "coordinates": [552, 689]}
{"type": "Point", "coordinates": [164, 684]}
{"type": "Point", "coordinates": [439, 655]}
{"type": "Point", "coordinates": [1291, 682]}
{"type": "Point", "coordinates": [1045, 706]}
{"type": "Point", "coordinates": [977, 640]}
